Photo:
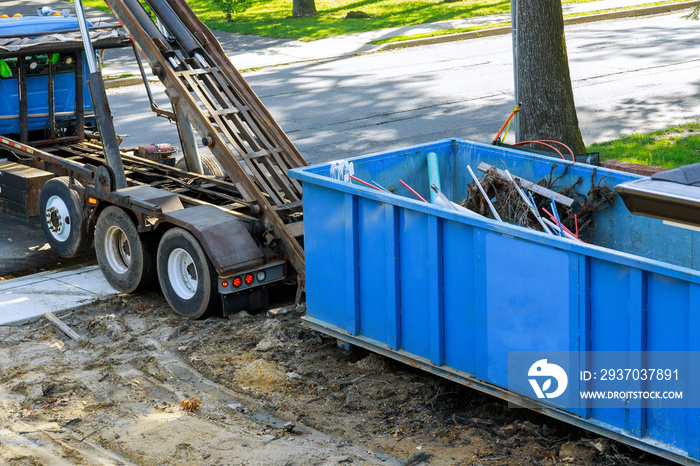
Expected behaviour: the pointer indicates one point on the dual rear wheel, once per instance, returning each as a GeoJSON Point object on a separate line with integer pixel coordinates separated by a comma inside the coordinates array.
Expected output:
{"type": "Point", "coordinates": [131, 262]}
{"type": "Point", "coordinates": [126, 256]}
{"type": "Point", "coordinates": [187, 277]}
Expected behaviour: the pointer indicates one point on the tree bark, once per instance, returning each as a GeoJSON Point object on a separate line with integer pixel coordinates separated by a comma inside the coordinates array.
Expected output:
{"type": "Point", "coordinates": [302, 8]}
{"type": "Point", "coordinates": [544, 82]}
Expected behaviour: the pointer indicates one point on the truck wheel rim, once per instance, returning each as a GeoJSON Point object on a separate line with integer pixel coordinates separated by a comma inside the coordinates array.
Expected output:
{"type": "Point", "coordinates": [57, 218]}
{"type": "Point", "coordinates": [183, 273]}
{"type": "Point", "coordinates": [117, 250]}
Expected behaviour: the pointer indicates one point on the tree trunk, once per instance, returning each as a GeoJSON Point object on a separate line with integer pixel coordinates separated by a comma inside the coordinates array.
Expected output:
{"type": "Point", "coordinates": [303, 8]}
{"type": "Point", "coordinates": [544, 82]}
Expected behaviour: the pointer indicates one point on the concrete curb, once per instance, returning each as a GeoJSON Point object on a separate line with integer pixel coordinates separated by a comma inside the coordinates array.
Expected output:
{"type": "Point", "coordinates": [652, 10]}
{"type": "Point", "coordinates": [124, 82]}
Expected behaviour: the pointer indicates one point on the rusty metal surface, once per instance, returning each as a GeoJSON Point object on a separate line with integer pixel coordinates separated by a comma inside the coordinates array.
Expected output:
{"type": "Point", "coordinates": [168, 202]}
{"type": "Point", "coordinates": [20, 187]}
{"type": "Point", "coordinates": [84, 172]}
{"type": "Point", "coordinates": [214, 49]}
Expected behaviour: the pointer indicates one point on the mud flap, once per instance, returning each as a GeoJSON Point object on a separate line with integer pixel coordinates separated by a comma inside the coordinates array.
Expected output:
{"type": "Point", "coordinates": [247, 300]}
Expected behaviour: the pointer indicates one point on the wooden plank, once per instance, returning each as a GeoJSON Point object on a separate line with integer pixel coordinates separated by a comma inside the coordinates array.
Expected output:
{"type": "Point", "coordinates": [63, 327]}
{"type": "Point", "coordinates": [529, 185]}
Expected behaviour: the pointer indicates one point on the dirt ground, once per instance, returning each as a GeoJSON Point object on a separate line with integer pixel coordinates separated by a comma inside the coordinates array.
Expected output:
{"type": "Point", "coordinates": [142, 388]}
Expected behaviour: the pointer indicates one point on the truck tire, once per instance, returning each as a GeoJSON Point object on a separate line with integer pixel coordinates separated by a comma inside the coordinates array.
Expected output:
{"type": "Point", "coordinates": [186, 276]}
{"type": "Point", "coordinates": [66, 226]}
{"type": "Point", "coordinates": [126, 258]}
{"type": "Point", "coordinates": [209, 164]}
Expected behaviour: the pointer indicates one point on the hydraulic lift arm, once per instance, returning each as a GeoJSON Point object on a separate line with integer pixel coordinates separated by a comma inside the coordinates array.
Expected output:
{"type": "Point", "coordinates": [99, 102]}
{"type": "Point", "coordinates": [226, 113]}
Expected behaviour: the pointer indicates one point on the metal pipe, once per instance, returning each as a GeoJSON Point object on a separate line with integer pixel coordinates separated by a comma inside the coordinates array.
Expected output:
{"type": "Point", "coordinates": [188, 140]}
{"type": "Point", "coordinates": [85, 33]}
{"type": "Point", "coordinates": [533, 209]}
{"type": "Point", "coordinates": [79, 96]}
{"type": "Point", "coordinates": [44, 115]}
{"type": "Point", "coordinates": [108, 135]}
{"type": "Point", "coordinates": [52, 101]}
{"type": "Point", "coordinates": [483, 193]}
{"type": "Point", "coordinates": [143, 74]}
{"type": "Point", "coordinates": [23, 105]}
{"type": "Point", "coordinates": [184, 37]}
{"type": "Point", "coordinates": [152, 30]}
{"type": "Point", "coordinates": [100, 104]}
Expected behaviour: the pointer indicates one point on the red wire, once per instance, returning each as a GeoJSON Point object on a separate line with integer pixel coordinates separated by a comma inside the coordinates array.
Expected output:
{"type": "Point", "coordinates": [573, 157]}
{"type": "Point", "coordinates": [576, 222]}
{"type": "Point", "coordinates": [411, 189]}
{"type": "Point", "coordinates": [554, 219]}
{"type": "Point", "coordinates": [542, 143]}
{"type": "Point", "coordinates": [364, 183]}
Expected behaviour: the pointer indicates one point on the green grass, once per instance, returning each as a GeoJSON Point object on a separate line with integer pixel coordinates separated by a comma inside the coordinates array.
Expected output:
{"type": "Point", "coordinates": [497, 25]}
{"type": "Point", "coordinates": [668, 148]}
{"type": "Point", "coordinates": [272, 18]}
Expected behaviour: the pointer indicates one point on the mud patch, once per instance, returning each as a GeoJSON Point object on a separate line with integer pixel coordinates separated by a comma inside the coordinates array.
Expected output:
{"type": "Point", "coordinates": [272, 392]}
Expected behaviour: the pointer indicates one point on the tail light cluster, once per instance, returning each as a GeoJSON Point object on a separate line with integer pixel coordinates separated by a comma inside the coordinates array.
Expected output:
{"type": "Point", "coordinates": [248, 279]}
{"type": "Point", "coordinates": [269, 273]}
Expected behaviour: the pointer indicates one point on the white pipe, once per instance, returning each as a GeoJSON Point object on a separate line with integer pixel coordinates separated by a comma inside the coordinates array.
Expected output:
{"type": "Point", "coordinates": [483, 193]}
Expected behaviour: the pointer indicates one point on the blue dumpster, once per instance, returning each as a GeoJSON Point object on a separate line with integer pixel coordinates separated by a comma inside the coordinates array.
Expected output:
{"type": "Point", "coordinates": [38, 80]}
{"type": "Point", "coordinates": [459, 296]}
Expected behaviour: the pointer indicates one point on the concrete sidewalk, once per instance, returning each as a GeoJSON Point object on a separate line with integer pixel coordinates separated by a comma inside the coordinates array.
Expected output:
{"type": "Point", "coordinates": [24, 298]}
{"type": "Point", "coordinates": [257, 52]}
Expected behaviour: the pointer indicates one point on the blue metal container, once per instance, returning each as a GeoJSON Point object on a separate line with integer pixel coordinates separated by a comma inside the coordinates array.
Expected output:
{"type": "Point", "coordinates": [37, 83]}
{"type": "Point", "coordinates": [455, 295]}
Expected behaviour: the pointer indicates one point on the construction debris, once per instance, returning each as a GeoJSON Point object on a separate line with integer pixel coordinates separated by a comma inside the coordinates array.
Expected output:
{"type": "Point", "coordinates": [62, 326]}
{"type": "Point", "coordinates": [498, 194]}
{"type": "Point", "coordinates": [190, 404]}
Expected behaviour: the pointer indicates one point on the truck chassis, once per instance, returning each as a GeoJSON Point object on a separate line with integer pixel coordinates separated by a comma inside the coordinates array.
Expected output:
{"type": "Point", "coordinates": [211, 241]}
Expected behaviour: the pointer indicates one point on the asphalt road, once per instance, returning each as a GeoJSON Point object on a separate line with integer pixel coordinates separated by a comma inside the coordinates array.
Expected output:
{"type": "Point", "coordinates": [628, 76]}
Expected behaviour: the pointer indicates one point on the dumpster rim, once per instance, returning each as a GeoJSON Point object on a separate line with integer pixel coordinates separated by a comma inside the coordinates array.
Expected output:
{"type": "Point", "coordinates": [306, 174]}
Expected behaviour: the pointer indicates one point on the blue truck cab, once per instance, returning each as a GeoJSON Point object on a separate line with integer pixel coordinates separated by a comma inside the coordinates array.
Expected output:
{"type": "Point", "coordinates": [17, 33]}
